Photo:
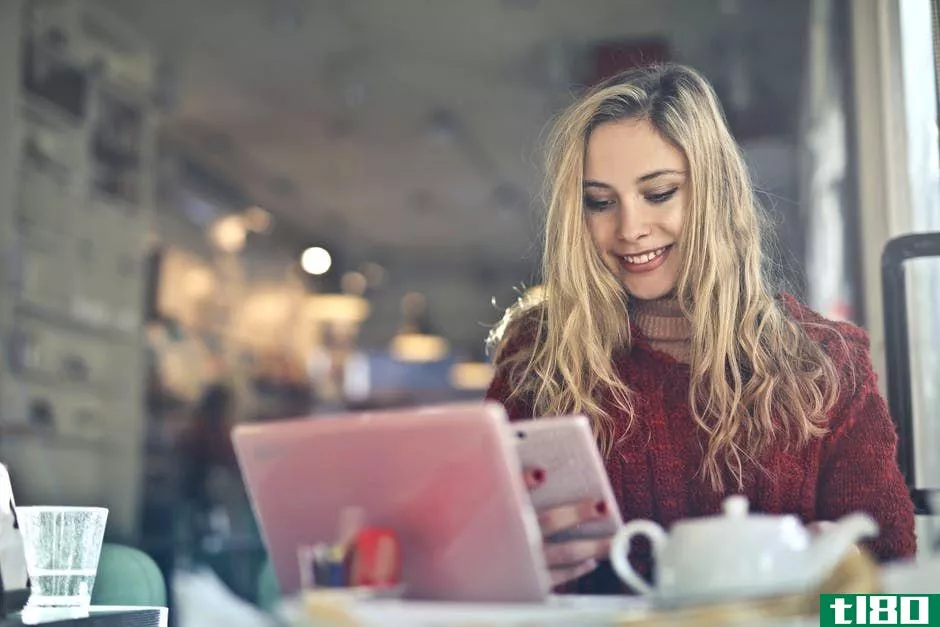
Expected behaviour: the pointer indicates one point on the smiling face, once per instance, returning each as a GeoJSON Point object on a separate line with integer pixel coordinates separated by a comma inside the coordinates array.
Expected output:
{"type": "Point", "coordinates": [635, 199]}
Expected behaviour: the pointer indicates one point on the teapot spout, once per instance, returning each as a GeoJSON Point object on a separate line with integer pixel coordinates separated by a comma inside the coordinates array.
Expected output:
{"type": "Point", "coordinates": [834, 542]}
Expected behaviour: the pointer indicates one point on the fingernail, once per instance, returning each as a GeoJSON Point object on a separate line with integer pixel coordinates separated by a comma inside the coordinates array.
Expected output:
{"type": "Point", "coordinates": [600, 507]}
{"type": "Point", "coordinates": [539, 475]}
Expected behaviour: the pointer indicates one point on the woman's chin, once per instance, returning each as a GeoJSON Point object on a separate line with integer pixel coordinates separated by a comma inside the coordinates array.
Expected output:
{"type": "Point", "coordinates": [648, 292]}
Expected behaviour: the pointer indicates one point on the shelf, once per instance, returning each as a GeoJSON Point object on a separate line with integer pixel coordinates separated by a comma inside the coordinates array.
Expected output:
{"type": "Point", "coordinates": [85, 392]}
{"type": "Point", "coordinates": [114, 203]}
{"type": "Point", "coordinates": [74, 324]}
{"type": "Point", "coordinates": [117, 157]}
{"type": "Point", "coordinates": [44, 111]}
{"type": "Point", "coordinates": [11, 431]}
{"type": "Point", "coordinates": [98, 390]}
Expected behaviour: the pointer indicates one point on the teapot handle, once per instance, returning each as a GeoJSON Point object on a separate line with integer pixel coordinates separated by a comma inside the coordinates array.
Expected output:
{"type": "Point", "coordinates": [620, 552]}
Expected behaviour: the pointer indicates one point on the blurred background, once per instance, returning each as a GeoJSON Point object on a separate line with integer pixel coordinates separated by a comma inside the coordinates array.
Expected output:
{"type": "Point", "coordinates": [223, 211]}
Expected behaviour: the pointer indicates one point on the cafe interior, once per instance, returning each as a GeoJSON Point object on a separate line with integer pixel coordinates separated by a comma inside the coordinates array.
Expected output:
{"type": "Point", "coordinates": [217, 213]}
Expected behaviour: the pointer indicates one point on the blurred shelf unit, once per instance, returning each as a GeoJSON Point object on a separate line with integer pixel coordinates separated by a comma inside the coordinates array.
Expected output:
{"type": "Point", "coordinates": [76, 179]}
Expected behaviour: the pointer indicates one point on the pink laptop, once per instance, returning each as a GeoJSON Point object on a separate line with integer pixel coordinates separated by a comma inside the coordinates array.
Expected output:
{"type": "Point", "coordinates": [445, 478]}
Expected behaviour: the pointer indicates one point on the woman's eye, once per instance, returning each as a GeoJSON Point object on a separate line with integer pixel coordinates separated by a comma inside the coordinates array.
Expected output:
{"type": "Point", "coordinates": [597, 204]}
{"type": "Point", "coordinates": [661, 197]}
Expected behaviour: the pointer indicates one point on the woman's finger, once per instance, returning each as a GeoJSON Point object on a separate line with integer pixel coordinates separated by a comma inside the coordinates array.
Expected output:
{"type": "Point", "coordinates": [572, 552]}
{"type": "Point", "coordinates": [570, 573]}
{"type": "Point", "coordinates": [565, 517]}
{"type": "Point", "coordinates": [534, 477]}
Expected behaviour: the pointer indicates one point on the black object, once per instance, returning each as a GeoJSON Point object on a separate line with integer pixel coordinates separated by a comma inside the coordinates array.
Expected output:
{"type": "Point", "coordinates": [898, 353]}
{"type": "Point", "coordinates": [130, 618]}
{"type": "Point", "coordinates": [12, 601]}
{"type": "Point", "coordinates": [14, 577]}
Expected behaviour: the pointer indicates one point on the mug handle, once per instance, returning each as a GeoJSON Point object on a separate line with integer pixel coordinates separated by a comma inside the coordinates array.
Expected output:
{"type": "Point", "coordinates": [620, 552]}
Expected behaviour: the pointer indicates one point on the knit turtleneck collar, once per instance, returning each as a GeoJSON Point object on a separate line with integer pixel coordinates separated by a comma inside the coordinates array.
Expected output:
{"type": "Point", "coordinates": [663, 324]}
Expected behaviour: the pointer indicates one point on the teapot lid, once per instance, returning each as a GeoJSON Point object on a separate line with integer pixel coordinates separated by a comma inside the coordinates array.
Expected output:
{"type": "Point", "coordinates": [736, 509]}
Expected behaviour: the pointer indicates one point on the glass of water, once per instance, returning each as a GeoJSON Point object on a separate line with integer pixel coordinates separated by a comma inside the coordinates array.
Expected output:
{"type": "Point", "coordinates": [62, 546]}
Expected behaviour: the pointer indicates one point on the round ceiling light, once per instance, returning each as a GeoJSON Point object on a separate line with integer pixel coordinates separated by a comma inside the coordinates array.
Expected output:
{"type": "Point", "coordinates": [316, 261]}
{"type": "Point", "coordinates": [228, 234]}
{"type": "Point", "coordinates": [257, 220]}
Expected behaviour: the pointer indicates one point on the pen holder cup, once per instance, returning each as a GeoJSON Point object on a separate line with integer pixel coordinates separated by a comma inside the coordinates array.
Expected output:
{"type": "Point", "coordinates": [329, 573]}
{"type": "Point", "coordinates": [369, 559]}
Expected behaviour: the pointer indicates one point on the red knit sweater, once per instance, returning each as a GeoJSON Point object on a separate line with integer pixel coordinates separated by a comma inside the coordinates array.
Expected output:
{"type": "Point", "coordinates": [653, 470]}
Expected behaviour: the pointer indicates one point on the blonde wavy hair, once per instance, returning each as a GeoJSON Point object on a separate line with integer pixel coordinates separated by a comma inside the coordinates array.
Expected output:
{"type": "Point", "coordinates": [756, 376]}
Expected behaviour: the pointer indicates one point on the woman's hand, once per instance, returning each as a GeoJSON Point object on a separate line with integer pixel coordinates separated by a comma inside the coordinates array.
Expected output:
{"type": "Point", "coordinates": [569, 559]}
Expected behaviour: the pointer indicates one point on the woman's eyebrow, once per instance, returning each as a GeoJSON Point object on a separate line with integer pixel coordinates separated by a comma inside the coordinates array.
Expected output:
{"type": "Point", "coordinates": [656, 173]}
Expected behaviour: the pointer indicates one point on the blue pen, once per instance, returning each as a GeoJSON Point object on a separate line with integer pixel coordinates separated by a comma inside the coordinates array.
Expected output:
{"type": "Point", "coordinates": [337, 567]}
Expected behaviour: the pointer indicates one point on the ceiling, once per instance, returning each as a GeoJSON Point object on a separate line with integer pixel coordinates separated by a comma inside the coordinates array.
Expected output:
{"type": "Point", "coordinates": [408, 130]}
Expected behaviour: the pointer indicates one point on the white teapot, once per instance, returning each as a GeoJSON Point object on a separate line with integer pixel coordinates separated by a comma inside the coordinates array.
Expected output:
{"type": "Point", "coordinates": [736, 555]}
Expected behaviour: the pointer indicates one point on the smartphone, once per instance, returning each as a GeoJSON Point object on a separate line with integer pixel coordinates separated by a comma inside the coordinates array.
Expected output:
{"type": "Point", "coordinates": [565, 448]}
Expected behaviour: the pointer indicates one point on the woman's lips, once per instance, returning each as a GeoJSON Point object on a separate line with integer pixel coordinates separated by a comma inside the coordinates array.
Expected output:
{"type": "Point", "coordinates": [646, 262]}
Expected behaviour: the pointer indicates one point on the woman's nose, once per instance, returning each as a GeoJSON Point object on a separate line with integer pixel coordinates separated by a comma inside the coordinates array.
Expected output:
{"type": "Point", "coordinates": [632, 223]}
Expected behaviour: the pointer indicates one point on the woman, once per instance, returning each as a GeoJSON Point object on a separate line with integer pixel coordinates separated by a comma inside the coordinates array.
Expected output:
{"type": "Point", "coordinates": [657, 321]}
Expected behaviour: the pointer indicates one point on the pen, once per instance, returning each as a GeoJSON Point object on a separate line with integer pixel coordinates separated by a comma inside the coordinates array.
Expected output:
{"type": "Point", "coordinates": [336, 566]}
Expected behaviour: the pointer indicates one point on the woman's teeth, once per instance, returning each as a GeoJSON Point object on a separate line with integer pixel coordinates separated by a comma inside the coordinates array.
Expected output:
{"type": "Point", "coordinates": [645, 257]}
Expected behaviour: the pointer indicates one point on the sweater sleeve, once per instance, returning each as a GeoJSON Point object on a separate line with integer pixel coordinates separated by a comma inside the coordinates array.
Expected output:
{"type": "Point", "coordinates": [502, 389]}
{"type": "Point", "coordinates": [858, 467]}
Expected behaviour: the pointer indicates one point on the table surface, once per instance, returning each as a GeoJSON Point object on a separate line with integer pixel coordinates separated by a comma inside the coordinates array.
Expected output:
{"type": "Point", "coordinates": [104, 616]}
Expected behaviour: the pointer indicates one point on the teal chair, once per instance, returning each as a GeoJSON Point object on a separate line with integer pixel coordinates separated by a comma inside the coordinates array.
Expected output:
{"type": "Point", "coordinates": [269, 592]}
{"type": "Point", "coordinates": [128, 576]}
